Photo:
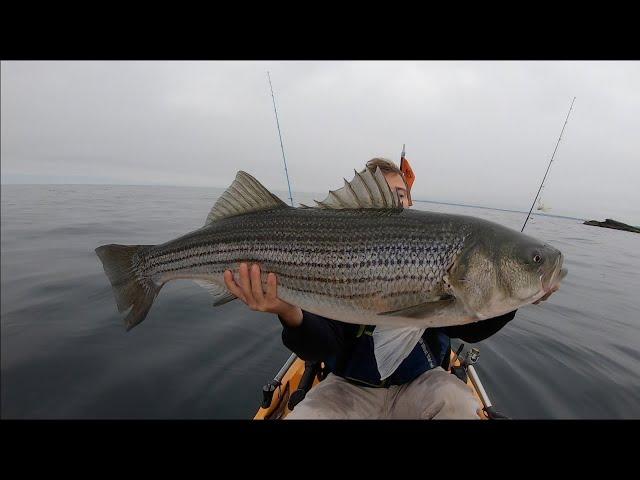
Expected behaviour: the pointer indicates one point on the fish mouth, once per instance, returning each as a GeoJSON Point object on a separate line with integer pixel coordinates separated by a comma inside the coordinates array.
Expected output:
{"type": "Point", "coordinates": [551, 279]}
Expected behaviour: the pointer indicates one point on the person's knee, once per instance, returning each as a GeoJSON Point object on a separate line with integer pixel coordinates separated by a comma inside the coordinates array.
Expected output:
{"type": "Point", "coordinates": [458, 401]}
{"type": "Point", "coordinates": [333, 398]}
{"type": "Point", "coordinates": [450, 397]}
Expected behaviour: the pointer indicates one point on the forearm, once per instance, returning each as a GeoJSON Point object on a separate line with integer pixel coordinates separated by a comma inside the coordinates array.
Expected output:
{"type": "Point", "coordinates": [476, 332]}
{"type": "Point", "coordinates": [314, 339]}
{"type": "Point", "coordinates": [290, 315]}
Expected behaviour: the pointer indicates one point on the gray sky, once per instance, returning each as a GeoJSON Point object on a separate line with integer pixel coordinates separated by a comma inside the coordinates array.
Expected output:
{"type": "Point", "coordinates": [476, 132]}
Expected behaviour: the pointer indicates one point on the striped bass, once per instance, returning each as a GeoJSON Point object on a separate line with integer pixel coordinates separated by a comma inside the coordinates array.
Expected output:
{"type": "Point", "coordinates": [357, 257]}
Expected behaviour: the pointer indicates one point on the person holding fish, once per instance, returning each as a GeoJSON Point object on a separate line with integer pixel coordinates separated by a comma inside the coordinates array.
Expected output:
{"type": "Point", "coordinates": [360, 281]}
{"type": "Point", "coordinates": [419, 387]}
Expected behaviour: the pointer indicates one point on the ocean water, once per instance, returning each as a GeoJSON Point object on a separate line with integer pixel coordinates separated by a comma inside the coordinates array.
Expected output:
{"type": "Point", "coordinates": [65, 353]}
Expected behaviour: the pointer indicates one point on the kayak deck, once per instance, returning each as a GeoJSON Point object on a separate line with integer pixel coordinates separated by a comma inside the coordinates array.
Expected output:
{"type": "Point", "coordinates": [279, 408]}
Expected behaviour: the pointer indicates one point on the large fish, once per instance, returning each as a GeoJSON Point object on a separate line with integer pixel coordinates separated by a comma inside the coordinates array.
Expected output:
{"type": "Point", "coordinates": [357, 257]}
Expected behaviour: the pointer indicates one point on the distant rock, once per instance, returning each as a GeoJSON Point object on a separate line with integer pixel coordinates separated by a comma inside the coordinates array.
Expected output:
{"type": "Point", "coordinates": [608, 223]}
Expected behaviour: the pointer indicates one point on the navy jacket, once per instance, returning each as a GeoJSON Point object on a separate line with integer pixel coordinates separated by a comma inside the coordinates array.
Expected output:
{"type": "Point", "coordinates": [347, 349]}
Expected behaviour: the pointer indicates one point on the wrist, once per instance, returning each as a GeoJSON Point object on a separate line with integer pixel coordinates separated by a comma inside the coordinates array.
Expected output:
{"type": "Point", "coordinates": [291, 316]}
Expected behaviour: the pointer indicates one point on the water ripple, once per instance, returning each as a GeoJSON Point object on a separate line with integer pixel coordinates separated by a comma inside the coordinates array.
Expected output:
{"type": "Point", "coordinates": [65, 352]}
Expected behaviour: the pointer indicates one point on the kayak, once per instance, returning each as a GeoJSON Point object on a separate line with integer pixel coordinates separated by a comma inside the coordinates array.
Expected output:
{"type": "Point", "coordinates": [280, 393]}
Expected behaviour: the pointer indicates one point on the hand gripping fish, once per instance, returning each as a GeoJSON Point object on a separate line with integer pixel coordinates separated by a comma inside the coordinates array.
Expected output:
{"type": "Point", "coordinates": [357, 256]}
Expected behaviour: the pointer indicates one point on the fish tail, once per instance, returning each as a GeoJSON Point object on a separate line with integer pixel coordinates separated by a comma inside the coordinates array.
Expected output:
{"type": "Point", "coordinates": [130, 289]}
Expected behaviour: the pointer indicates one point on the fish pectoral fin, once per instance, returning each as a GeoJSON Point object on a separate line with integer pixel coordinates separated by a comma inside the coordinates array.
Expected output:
{"type": "Point", "coordinates": [392, 345]}
{"type": "Point", "coordinates": [422, 310]}
{"type": "Point", "coordinates": [220, 294]}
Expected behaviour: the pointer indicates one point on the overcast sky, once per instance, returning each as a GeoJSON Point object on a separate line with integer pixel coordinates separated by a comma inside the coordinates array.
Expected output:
{"type": "Point", "coordinates": [476, 132]}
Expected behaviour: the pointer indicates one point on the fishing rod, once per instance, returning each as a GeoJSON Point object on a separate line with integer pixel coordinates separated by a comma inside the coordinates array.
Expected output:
{"type": "Point", "coordinates": [284, 159]}
{"type": "Point", "coordinates": [548, 166]}
{"type": "Point", "coordinates": [466, 370]}
{"type": "Point", "coordinates": [269, 389]}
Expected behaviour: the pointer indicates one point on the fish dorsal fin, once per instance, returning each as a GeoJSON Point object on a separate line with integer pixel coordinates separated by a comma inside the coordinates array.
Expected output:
{"type": "Point", "coordinates": [244, 195]}
{"type": "Point", "coordinates": [365, 190]}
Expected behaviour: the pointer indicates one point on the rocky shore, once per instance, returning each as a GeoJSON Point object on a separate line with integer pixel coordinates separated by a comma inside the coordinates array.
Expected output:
{"type": "Point", "coordinates": [608, 223]}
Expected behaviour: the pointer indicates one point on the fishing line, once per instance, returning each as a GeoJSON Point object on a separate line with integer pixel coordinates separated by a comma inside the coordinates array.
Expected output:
{"type": "Point", "coordinates": [548, 166]}
{"type": "Point", "coordinates": [268, 389]}
{"type": "Point", "coordinates": [284, 159]}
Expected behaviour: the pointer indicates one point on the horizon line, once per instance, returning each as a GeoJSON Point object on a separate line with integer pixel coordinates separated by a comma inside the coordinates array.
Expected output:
{"type": "Point", "coordinates": [439, 202]}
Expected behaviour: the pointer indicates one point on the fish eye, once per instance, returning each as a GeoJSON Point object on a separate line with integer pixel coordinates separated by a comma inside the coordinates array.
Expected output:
{"type": "Point", "coordinates": [537, 258]}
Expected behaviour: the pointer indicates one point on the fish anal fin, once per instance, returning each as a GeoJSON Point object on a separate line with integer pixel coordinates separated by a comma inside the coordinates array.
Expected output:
{"type": "Point", "coordinates": [220, 294]}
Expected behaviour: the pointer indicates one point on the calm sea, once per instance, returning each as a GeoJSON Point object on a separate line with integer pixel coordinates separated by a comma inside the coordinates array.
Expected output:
{"type": "Point", "coordinates": [65, 353]}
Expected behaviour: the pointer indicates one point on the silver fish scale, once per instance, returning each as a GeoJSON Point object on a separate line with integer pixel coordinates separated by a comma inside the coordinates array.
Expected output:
{"type": "Point", "coordinates": [359, 259]}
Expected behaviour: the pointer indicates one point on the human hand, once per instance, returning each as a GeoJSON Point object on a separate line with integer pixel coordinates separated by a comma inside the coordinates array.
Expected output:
{"type": "Point", "coordinates": [251, 292]}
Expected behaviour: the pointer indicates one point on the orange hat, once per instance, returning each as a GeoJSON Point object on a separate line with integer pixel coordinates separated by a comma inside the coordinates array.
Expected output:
{"type": "Point", "coordinates": [409, 176]}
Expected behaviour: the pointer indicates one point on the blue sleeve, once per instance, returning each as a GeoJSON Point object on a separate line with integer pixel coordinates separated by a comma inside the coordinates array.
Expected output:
{"type": "Point", "coordinates": [475, 332]}
{"type": "Point", "coordinates": [315, 339]}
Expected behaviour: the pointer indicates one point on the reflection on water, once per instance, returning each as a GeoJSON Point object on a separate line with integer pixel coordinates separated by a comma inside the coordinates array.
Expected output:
{"type": "Point", "coordinates": [65, 353]}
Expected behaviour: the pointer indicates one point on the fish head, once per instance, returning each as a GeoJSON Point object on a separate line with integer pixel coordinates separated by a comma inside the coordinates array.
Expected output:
{"type": "Point", "coordinates": [500, 270]}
